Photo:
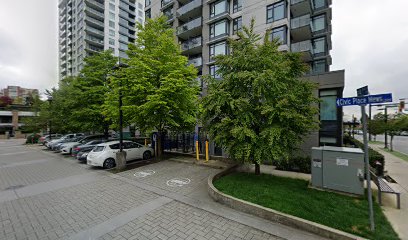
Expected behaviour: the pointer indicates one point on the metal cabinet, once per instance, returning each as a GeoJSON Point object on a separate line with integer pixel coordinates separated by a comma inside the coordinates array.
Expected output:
{"type": "Point", "coordinates": [338, 168]}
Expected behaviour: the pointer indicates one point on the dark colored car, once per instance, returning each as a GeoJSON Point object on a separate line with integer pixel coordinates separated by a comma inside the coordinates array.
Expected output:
{"type": "Point", "coordinates": [81, 156]}
{"type": "Point", "coordinates": [87, 146]}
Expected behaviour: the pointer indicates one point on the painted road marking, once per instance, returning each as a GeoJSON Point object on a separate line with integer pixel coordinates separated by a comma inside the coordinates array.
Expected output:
{"type": "Point", "coordinates": [178, 182]}
{"type": "Point", "coordinates": [144, 173]}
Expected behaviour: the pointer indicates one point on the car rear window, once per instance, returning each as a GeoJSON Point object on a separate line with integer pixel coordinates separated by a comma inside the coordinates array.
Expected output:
{"type": "Point", "coordinates": [98, 148]}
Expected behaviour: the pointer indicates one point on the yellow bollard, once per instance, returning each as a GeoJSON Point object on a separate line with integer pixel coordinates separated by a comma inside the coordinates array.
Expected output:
{"type": "Point", "coordinates": [207, 156]}
{"type": "Point", "coordinates": [145, 142]}
{"type": "Point", "coordinates": [197, 152]}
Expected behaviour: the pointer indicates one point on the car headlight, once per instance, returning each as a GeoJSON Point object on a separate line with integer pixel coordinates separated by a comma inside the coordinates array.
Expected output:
{"type": "Point", "coordinates": [85, 154]}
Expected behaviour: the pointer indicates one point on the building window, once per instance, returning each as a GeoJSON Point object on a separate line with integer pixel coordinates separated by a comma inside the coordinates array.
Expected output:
{"type": "Point", "coordinates": [279, 33]}
{"type": "Point", "coordinates": [123, 38]}
{"type": "Point", "coordinates": [111, 41]}
{"type": "Point", "coordinates": [319, 66]}
{"type": "Point", "coordinates": [111, 33]}
{"type": "Point", "coordinates": [220, 48]}
{"type": "Point", "coordinates": [148, 2]}
{"type": "Point", "coordinates": [237, 6]}
{"type": "Point", "coordinates": [218, 7]}
{"type": "Point", "coordinates": [214, 72]}
{"type": "Point", "coordinates": [236, 25]}
{"type": "Point", "coordinates": [140, 5]}
{"type": "Point", "coordinates": [275, 12]}
{"type": "Point", "coordinates": [168, 13]}
{"type": "Point", "coordinates": [111, 24]}
{"type": "Point", "coordinates": [123, 46]}
{"type": "Point", "coordinates": [111, 7]}
{"type": "Point", "coordinates": [328, 108]}
{"type": "Point", "coordinates": [148, 14]}
{"type": "Point", "coordinates": [219, 28]}
{"type": "Point", "coordinates": [319, 23]}
{"type": "Point", "coordinates": [111, 16]}
{"type": "Point", "coordinates": [319, 4]}
{"type": "Point", "coordinates": [319, 46]}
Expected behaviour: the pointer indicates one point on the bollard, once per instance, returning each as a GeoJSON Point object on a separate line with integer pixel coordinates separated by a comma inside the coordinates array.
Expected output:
{"type": "Point", "coordinates": [197, 151]}
{"type": "Point", "coordinates": [207, 157]}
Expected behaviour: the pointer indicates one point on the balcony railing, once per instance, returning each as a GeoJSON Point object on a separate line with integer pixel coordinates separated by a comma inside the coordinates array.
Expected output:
{"type": "Point", "coordinates": [189, 6]}
{"type": "Point", "coordinates": [190, 25]}
{"type": "Point", "coordinates": [95, 21]}
{"type": "Point", "coordinates": [300, 21]}
{"type": "Point", "coordinates": [165, 3]}
{"type": "Point", "coordinates": [197, 62]}
{"type": "Point", "coordinates": [93, 30]}
{"type": "Point", "coordinates": [293, 2]}
{"type": "Point", "coordinates": [304, 46]}
{"type": "Point", "coordinates": [192, 43]}
{"type": "Point", "coordinates": [94, 12]}
{"type": "Point", "coordinates": [94, 39]}
{"type": "Point", "coordinates": [95, 3]}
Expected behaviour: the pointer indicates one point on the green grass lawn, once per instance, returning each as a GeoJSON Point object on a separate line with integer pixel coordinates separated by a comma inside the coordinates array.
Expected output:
{"type": "Point", "coordinates": [292, 196]}
{"type": "Point", "coordinates": [397, 154]}
{"type": "Point", "coordinates": [375, 142]}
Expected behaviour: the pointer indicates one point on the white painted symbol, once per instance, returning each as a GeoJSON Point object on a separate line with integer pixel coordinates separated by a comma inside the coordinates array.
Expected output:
{"type": "Point", "coordinates": [178, 182]}
{"type": "Point", "coordinates": [143, 174]}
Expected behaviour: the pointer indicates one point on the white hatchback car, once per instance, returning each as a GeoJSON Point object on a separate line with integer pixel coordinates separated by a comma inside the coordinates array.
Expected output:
{"type": "Point", "coordinates": [104, 154]}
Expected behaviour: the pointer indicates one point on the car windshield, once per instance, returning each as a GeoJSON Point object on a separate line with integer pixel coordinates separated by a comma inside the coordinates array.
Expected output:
{"type": "Point", "coordinates": [98, 148]}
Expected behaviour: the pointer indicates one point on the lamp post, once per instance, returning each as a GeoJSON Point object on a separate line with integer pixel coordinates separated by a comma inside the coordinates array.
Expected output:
{"type": "Point", "coordinates": [49, 99]}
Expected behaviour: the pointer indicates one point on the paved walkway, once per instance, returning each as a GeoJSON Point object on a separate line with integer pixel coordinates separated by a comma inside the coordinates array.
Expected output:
{"type": "Point", "coordinates": [398, 170]}
{"type": "Point", "coordinates": [44, 195]}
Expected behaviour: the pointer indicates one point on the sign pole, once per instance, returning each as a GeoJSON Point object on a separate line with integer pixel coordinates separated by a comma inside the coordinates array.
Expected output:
{"type": "Point", "coordinates": [368, 176]}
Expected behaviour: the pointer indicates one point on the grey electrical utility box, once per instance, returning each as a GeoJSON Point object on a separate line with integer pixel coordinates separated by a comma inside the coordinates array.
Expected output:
{"type": "Point", "coordinates": [338, 168]}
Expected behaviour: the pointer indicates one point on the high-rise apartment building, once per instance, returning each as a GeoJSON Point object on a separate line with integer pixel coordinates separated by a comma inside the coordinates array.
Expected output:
{"type": "Point", "coordinates": [203, 26]}
{"type": "Point", "coordinates": [90, 26]}
{"type": "Point", "coordinates": [18, 94]}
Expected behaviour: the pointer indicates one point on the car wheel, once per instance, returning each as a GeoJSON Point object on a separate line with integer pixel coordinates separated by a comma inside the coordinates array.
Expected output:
{"type": "Point", "coordinates": [109, 163]}
{"type": "Point", "coordinates": [147, 155]}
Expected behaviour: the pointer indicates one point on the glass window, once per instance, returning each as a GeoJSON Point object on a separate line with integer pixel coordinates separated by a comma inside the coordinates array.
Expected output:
{"type": "Point", "coordinates": [217, 49]}
{"type": "Point", "coordinates": [319, 23]}
{"type": "Point", "coordinates": [328, 108]}
{"type": "Point", "coordinates": [319, 45]}
{"type": "Point", "coordinates": [100, 148]}
{"type": "Point", "coordinates": [111, 41]}
{"type": "Point", "coordinates": [122, 54]}
{"type": "Point", "coordinates": [148, 14]}
{"type": "Point", "coordinates": [140, 13]}
{"type": "Point", "coordinates": [123, 46]}
{"type": "Point", "coordinates": [111, 33]}
{"type": "Point", "coordinates": [213, 71]}
{"type": "Point", "coordinates": [111, 7]}
{"type": "Point", "coordinates": [319, 66]}
{"type": "Point", "coordinates": [319, 4]}
{"type": "Point", "coordinates": [237, 6]}
{"type": "Point", "coordinates": [111, 16]}
{"type": "Point", "coordinates": [236, 25]}
{"type": "Point", "coordinates": [114, 146]}
{"type": "Point", "coordinates": [219, 28]}
{"type": "Point", "coordinates": [111, 24]}
{"type": "Point", "coordinates": [169, 13]}
{"type": "Point", "coordinates": [148, 2]}
{"type": "Point", "coordinates": [279, 33]}
{"type": "Point", "coordinates": [218, 7]}
{"type": "Point", "coordinates": [123, 38]}
{"type": "Point", "coordinates": [276, 11]}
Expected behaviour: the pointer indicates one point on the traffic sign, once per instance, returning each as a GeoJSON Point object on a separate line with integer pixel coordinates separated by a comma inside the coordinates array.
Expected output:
{"type": "Point", "coordinates": [371, 99]}
{"type": "Point", "coordinates": [362, 91]}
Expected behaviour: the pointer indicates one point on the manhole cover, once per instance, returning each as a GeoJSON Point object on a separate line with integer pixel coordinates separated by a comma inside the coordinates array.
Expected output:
{"type": "Point", "coordinates": [14, 187]}
{"type": "Point", "coordinates": [144, 173]}
{"type": "Point", "coordinates": [178, 182]}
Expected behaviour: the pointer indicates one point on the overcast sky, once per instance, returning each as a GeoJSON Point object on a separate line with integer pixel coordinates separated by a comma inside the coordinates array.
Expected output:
{"type": "Point", "coordinates": [370, 41]}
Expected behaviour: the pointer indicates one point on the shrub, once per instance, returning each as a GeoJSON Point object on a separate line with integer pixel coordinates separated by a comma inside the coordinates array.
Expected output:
{"type": "Point", "coordinates": [294, 164]}
{"type": "Point", "coordinates": [373, 156]}
{"type": "Point", "coordinates": [33, 138]}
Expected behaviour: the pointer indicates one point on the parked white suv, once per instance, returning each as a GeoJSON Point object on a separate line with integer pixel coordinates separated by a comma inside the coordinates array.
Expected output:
{"type": "Point", "coordinates": [104, 154]}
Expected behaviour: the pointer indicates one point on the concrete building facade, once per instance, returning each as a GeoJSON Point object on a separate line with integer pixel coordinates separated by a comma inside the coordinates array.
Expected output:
{"type": "Point", "coordinates": [90, 26]}
{"type": "Point", "coordinates": [19, 94]}
{"type": "Point", "coordinates": [203, 26]}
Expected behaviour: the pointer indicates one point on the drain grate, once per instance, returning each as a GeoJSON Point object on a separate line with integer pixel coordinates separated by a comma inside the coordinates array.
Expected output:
{"type": "Point", "coordinates": [14, 187]}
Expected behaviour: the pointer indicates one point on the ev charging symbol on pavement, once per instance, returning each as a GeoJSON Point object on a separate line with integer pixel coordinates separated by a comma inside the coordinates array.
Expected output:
{"type": "Point", "coordinates": [144, 173]}
{"type": "Point", "coordinates": [178, 182]}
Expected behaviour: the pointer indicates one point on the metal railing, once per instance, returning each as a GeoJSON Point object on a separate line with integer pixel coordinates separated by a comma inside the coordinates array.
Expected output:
{"type": "Point", "coordinates": [94, 30]}
{"type": "Point", "coordinates": [94, 39]}
{"type": "Point", "coordinates": [196, 61]}
{"type": "Point", "coordinates": [303, 46]}
{"type": "Point", "coordinates": [189, 6]}
{"type": "Point", "coordinates": [94, 12]}
{"type": "Point", "coordinates": [93, 20]}
{"type": "Point", "coordinates": [192, 43]}
{"type": "Point", "coordinates": [190, 25]}
{"type": "Point", "coordinates": [300, 21]}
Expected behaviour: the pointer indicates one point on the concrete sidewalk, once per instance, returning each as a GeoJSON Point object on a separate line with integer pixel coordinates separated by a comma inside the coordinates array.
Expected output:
{"type": "Point", "coordinates": [398, 170]}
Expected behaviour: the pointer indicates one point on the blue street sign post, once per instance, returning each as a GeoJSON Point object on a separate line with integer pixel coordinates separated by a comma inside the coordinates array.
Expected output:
{"type": "Point", "coordinates": [362, 101]}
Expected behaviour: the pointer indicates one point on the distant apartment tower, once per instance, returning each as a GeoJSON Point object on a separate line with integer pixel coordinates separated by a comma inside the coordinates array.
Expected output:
{"type": "Point", "coordinates": [90, 26]}
{"type": "Point", "coordinates": [18, 94]}
{"type": "Point", "coordinates": [203, 26]}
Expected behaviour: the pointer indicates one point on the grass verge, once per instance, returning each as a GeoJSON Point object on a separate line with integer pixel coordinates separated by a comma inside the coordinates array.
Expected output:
{"type": "Point", "coordinates": [397, 154]}
{"type": "Point", "coordinates": [375, 142]}
{"type": "Point", "coordinates": [292, 196]}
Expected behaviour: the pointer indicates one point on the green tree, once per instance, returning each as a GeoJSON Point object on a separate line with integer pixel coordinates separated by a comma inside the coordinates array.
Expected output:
{"type": "Point", "coordinates": [159, 89]}
{"type": "Point", "coordinates": [261, 109]}
{"type": "Point", "coordinates": [395, 126]}
{"type": "Point", "coordinates": [91, 88]}
{"type": "Point", "coordinates": [376, 126]}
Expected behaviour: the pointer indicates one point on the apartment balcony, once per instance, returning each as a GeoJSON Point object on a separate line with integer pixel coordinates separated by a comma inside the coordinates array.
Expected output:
{"type": "Point", "coordinates": [192, 46]}
{"type": "Point", "coordinates": [125, 7]}
{"type": "Point", "coordinates": [94, 31]}
{"type": "Point", "coordinates": [190, 28]}
{"type": "Point", "coordinates": [94, 13]}
{"type": "Point", "coordinates": [126, 24]}
{"type": "Point", "coordinates": [126, 16]}
{"type": "Point", "coordinates": [95, 5]}
{"type": "Point", "coordinates": [93, 49]}
{"type": "Point", "coordinates": [63, 33]}
{"type": "Point", "coordinates": [197, 62]}
{"type": "Point", "coordinates": [304, 47]}
{"type": "Point", "coordinates": [94, 22]}
{"type": "Point", "coordinates": [94, 40]}
{"type": "Point", "coordinates": [300, 7]}
{"type": "Point", "coordinates": [190, 10]}
{"type": "Point", "coordinates": [300, 28]}
{"type": "Point", "coordinates": [166, 3]}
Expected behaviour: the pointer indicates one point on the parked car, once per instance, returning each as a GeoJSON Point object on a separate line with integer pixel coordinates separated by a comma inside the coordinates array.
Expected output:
{"type": "Point", "coordinates": [87, 146]}
{"type": "Point", "coordinates": [46, 138]}
{"type": "Point", "coordinates": [58, 146]}
{"type": "Point", "coordinates": [104, 155]}
{"type": "Point", "coordinates": [63, 138]}
{"type": "Point", "coordinates": [66, 148]}
{"type": "Point", "coordinates": [82, 155]}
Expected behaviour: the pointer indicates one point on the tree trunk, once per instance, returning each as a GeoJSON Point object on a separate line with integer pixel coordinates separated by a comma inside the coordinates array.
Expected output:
{"type": "Point", "coordinates": [392, 138]}
{"type": "Point", "coordinates": [106, 131]}
{"type": "Point", "coordinates": [257, 169]}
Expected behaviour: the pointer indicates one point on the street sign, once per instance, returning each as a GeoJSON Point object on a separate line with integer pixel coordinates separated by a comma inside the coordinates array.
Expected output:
{"type": "Point", "coordinates": [362, 91]}
{"type": "Point", "coordinates": [371, 99]}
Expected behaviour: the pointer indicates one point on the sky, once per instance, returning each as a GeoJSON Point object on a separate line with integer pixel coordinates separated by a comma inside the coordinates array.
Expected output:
{"type": "Point", "coordinates": [370, 41]}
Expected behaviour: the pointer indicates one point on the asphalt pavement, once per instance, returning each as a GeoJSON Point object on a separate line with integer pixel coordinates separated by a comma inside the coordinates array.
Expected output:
{"type": "Point", "coordinates": [400, 143]}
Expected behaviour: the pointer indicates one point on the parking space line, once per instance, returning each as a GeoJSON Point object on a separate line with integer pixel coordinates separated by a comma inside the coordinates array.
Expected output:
{"type": "Point", "coordinates": [120, 220]}
{"type": "Point", "coordinates": [16, 164]}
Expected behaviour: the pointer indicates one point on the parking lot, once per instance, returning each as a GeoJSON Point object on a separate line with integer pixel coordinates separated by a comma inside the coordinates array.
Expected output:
{"type": "Point", "coordinates": [44, 195]}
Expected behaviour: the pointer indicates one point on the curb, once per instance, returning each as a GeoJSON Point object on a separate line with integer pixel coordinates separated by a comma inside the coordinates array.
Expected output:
{"type": "Point", "coordinates": [270, 214]}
